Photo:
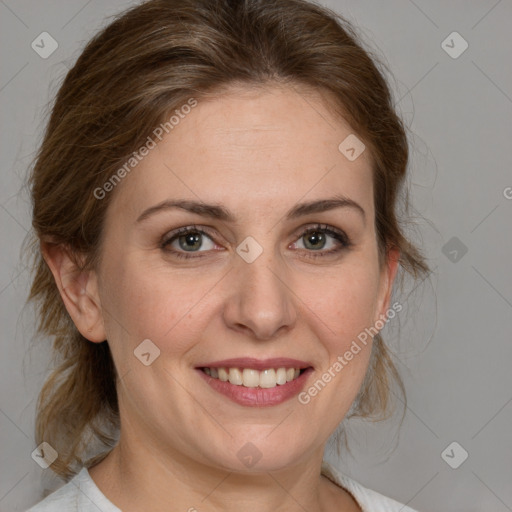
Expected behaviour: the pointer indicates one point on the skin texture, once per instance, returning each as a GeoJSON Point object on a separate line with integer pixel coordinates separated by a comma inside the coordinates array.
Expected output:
{"type": "Point", "coordinates": [257, 152]}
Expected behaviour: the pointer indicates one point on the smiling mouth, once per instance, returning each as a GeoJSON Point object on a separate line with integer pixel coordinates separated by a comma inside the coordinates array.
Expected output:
{"type": "Point", "coordinates": [251, 378]}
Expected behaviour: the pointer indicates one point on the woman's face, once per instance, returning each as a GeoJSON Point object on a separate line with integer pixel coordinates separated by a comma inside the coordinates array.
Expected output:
{"type": "Point", "coordinates": [254, 285]}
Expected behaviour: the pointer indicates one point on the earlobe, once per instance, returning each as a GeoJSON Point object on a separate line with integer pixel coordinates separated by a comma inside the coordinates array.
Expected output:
{"type": "Point", "coordinates": [78, 289]}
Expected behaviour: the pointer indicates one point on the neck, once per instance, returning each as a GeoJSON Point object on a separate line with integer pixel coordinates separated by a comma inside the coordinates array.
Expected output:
{"type": "Point", "coordinates": [141, 477]}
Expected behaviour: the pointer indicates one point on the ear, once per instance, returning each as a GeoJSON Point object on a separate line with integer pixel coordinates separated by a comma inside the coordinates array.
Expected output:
{"type": "Point", "coordinates": [387, 277]}
{"type": "Point", "coordinates": [78, 289]}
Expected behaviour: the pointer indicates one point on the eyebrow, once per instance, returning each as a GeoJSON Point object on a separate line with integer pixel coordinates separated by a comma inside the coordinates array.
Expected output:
{"type": "Point", "coordinates": [219, 212]}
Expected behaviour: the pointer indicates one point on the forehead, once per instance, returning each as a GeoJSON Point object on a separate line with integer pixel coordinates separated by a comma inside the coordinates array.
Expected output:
{"type": "Point", "coordinates": [251, 149]}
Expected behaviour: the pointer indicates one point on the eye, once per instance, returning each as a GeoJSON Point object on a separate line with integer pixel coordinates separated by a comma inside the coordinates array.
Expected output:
{"type": "Point", "coordinates": [315, 241]}
{"type": "Point", "coordinates": [185, 240]}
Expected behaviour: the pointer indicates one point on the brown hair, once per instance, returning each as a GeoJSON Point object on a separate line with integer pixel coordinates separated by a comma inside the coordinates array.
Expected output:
{"type": "Point", "coordinates": [146, 63]}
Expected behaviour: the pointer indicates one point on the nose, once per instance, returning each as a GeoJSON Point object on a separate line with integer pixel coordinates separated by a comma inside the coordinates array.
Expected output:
{"type": "Point", "coordinates": [262, 303]}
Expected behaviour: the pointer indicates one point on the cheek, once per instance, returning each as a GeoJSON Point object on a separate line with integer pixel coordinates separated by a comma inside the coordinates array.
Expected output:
{"type": "Point", "coordinates": [345, 315]}
{"type": "Point", "coordinates": [346, 303]}
{"type": "Point", "coordinates": [141, 302]}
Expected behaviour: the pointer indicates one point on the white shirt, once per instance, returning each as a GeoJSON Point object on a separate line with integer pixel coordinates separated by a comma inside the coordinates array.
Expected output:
{"type": "Point", "coordinates": [81, 494]}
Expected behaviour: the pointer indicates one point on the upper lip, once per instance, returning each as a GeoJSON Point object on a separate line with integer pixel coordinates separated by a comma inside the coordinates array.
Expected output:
{"type": "Point", "coordinates": [257, 364]}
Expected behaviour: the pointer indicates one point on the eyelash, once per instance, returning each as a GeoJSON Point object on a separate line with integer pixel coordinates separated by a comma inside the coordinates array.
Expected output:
{"type": "Point", "coordinates": [338, 235]}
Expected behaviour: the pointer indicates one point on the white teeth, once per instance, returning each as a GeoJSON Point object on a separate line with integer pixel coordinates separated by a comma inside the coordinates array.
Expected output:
{"type": "Point", "coordinates": [235, 377]}
{"type": "Point", "coordinates": [250, 378]}
{"type": "Point", "coordinates": [268, 379]}
{"type": "Point", "coordinates": [223, 374]}
{"type": "Point", "coordinates": [281, 376]}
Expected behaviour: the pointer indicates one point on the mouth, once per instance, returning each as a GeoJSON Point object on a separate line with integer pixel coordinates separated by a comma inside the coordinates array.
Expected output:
{"type": "Point", "coordinates": [252, 382]}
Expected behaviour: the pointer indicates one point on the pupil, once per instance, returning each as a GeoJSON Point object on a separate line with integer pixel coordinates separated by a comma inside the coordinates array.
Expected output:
{"type": "Point", "coordinates": [190, 239]}
{"type": "Point", "coordinates": [315, 237]}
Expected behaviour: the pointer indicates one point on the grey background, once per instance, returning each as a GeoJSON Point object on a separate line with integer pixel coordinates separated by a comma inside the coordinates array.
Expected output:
{"type": "Point", "coordinates": [455, 347]}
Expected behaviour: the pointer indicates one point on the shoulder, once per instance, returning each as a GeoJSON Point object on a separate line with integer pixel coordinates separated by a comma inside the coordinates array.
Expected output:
{"type": "Point", "coordinates": [64, 498]}
{"type": "Point", "coordinates": [80, 494]}
{"type": "Point", "coordinates": [368, 500]}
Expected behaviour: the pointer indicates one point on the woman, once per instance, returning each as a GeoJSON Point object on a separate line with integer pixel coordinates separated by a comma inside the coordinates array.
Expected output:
{"type": "Point", "coordinates": [214, 204]}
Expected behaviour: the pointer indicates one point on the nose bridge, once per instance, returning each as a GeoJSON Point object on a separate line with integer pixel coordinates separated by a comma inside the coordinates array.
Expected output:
{"type": "Point", "coordinates": [261, 301]}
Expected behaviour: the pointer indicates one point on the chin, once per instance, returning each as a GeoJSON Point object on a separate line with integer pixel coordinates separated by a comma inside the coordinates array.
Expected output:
{"type": "Point", "coordinates": [261, 455]}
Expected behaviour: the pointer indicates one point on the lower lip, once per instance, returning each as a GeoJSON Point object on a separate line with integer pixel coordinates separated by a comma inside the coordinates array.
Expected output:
{"type": "Point", "coordinates": [258, 397]}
